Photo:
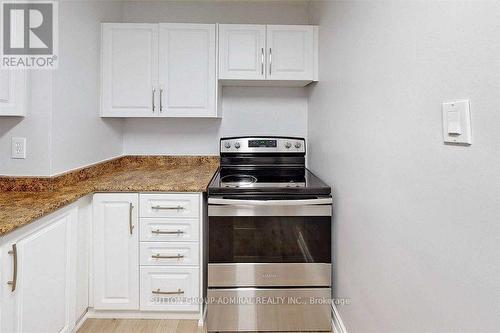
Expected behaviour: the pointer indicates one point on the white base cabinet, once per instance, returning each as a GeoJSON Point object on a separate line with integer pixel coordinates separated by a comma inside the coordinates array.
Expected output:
{"type": "Point", "coordinates": [170, 252]}
{"type": "Point", "coordinates": [147, 250]}
{"type": "Point", "coordinates": [38, 282]}
{"type": "Point", "coordinates": [116, 251]}
{"type": "Point", "coordinates": [116, 255]}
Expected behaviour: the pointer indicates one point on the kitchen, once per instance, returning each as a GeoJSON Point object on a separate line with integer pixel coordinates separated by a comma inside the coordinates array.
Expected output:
{"type": "Point", "coordinates": [137, 114]}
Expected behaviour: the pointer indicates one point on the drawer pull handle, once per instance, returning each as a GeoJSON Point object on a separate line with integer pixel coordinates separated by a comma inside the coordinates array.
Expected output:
{"type": "Point", "coordinates": [159, 256]}
{"type": "Point", "coordinates": [178, 207]}
{"type": "Point", "coordinates": [158, 292]}
{"type": "Point", "coordinates": [162, 232]}
{"type": "Point", "coordinates": [13, 283]}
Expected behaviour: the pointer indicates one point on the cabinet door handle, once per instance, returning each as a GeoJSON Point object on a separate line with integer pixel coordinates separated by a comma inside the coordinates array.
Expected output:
{"type": "Point", "coordinates": [161, 100]}
{"type": "Point", "coordinates": [159, 256]}
{"type": "Point", "coordinates": [178, 207]}
{"type": "Point", "coordinates": [262, 61]}
{"type": "Point", "coordinates": [270, 61]}
{"type": "Point", "coordinates": [158, 292]}
{"type": "Point", "coordinates": [130, 225]}
{"type": "Point", "coordinates": [153, 99]}
{"type": "Point", "coordinates": [166, 232]}
{"type": "Point", "coordinates": [13, 283]}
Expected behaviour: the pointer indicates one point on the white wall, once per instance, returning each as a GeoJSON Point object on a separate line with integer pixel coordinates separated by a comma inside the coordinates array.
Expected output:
{"type": "Point", "coordinates": [417, 229]}
{"type": "Point", "coordinates": [258, 12]}
{"type": "Point", "coordinates": [272, 111]}
{"type": "Point", "coordinates": [247, 111]}
{"type": "Point", "coordinates": [62, 126]}
{"type": "Point", "coordinates": [79, 136]}
{"type": "Point", "coordinates": [35, 127]}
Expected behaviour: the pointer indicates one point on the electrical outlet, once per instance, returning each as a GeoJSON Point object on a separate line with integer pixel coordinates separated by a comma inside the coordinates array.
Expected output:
{"type": "Point", "coordinates": [18, 148]}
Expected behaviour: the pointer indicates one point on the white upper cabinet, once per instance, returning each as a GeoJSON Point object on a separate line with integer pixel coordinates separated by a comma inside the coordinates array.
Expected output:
{"type": "Point", "coordinates": [242, 52]}
{"type": "Point", "coordinates": [129, 70]}
{"type": "Point", "coordinates": [187, 67]}
{"type": "Point", "coordinates": [268, 54]}
{"type": "Point", "coordinates": [290, 52]}
{"type": "Point", "coordinates": [159, 70]}
{"type": "Point", "coordinates": [12, 92]}
{"type": "Point", "coordinates": [177, 69]}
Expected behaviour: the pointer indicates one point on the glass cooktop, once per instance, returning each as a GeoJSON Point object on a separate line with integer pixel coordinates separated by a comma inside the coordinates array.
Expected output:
{"type": "Point", "coordinates": [273, 179]}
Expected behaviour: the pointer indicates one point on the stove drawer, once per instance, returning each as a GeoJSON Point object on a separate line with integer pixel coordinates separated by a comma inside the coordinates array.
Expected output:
{"type": "Point", "coordinates": [170, 289]}
{"type": "Point", "coordinates": [269, 275]}
{"type": "Point", "coordinates": [167, 229]}
{"type": "Point", "coordinates": [279, 310]}
{"type": "Point", "coordinates": [170, 205]}
{"type": "Point", "coordinates": [171, 253]}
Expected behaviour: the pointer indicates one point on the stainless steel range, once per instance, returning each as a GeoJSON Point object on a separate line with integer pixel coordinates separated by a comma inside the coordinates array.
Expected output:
{"type": "Point", "coordinates": [269, 238]}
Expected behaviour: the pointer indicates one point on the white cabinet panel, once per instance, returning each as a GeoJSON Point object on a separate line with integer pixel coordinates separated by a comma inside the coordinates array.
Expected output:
{"type": "Point", "coordinates": [169, 229]}
{"type": "Point", "coordinates": [171, 253]}
{"type": "Point", "coordinates": [187, 70]}
{"type": "Point", "coordinates": [282, 55]}
{"type": "Point", "coordinates": [129, 70]}
{"type": "Point", "coordinates": [290, 52]}
{"type": "Point", "coordinates": [170, 288]}
{"type": "Point", "coordinates": [12, 92]}
{"type": "Point", "coordinates": [83, 230]}
{"type": "Point", "coordinates": [44, 295]}
{"type": "Point", "coordinates": [170, 205]}
{"type": "Point", "coordinates": [242, 51]}
{"type": "Point", "coordinates": [116, 251]}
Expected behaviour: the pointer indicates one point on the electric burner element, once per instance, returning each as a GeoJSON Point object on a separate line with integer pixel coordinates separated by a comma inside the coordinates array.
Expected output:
{"type": "Point", "coordinates": [238, 180]}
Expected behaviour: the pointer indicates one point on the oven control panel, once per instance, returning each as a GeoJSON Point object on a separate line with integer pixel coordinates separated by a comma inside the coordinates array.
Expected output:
{"type": "Point", "coordinates": [262, 145]}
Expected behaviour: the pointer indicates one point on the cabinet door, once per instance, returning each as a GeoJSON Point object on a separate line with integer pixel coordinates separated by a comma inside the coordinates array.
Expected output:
{"type": "Point", "coordinates": [116, 251]}
{"type": "Point", "coordinates": [44, 297]}
{"type": "Point", "coordinates": [12, 92]}
{"type": "Point", "coordinates": [129, 70]}
{"type": "Point", "coordinates": [290, 52]}
{"type": "Point", "coordinates": [242, 52]}
{"type": "Point", "coordinates": [187, 70]}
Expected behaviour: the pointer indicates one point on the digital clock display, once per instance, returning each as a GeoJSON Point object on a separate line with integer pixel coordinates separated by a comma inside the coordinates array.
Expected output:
{"type": "Point", "coordinates": [262, 143]}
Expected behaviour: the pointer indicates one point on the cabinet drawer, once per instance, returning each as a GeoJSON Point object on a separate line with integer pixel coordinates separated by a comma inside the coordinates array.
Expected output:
{"type": "Point", "coordinates": [170, 205]}
{"type": "Point", "coordinates": [170, 289]}
{"type": "Point", "coordinates": [165, 229]}
{"type": "Point", "coordinates": [176, 253]}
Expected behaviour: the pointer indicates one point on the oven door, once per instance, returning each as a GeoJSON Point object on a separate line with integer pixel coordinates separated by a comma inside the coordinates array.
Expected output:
{"type": "Point", "coordinates": [270, 242]}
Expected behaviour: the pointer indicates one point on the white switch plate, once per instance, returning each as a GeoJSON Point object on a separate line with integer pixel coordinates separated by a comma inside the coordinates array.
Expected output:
{"type": "Point", "coordinates": [18, 147]}
{"type": "Point", "coordinates": [456, 122]}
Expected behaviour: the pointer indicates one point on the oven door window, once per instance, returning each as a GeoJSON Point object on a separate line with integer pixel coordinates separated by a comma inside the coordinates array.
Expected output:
{"type": "Point", "coordinates": [269, 239]}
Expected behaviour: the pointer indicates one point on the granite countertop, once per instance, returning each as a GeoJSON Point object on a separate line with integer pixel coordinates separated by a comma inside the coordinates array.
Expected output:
{"type": "Point", "coordinates": [37, 197]}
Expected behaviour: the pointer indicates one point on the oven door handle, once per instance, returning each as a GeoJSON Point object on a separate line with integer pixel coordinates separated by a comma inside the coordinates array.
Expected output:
{"type": "Point", "coordinates": [238, 202]}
